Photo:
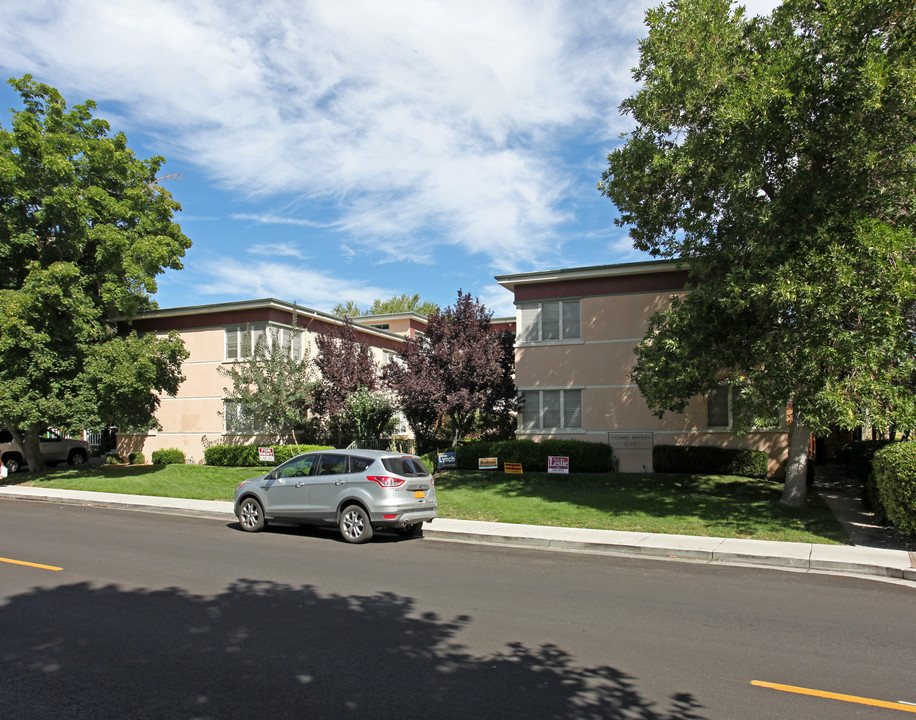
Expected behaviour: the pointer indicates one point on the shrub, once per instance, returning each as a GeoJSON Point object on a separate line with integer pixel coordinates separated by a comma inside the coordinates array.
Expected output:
{"type": "Point", "coordinates": [583, 456]}
{"type": "Point", "coordinates": [859, 456]}
{"type": "Point", "coordinates": [712, 460]}
{"type": "Point", "coordinates": [168, 456]}
{"type": "Point", "coordinates": [136, 458]}
{"type": "Point", "coordinates": [113, 458]}
{"type": "Point", "coordinates": [247, 455]}
{"type": "Point", "coordinates": [894, 473]}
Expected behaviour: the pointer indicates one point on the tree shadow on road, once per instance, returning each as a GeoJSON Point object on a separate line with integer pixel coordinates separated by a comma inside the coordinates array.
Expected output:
{"type": "Point", "coordinates": [268, 650]}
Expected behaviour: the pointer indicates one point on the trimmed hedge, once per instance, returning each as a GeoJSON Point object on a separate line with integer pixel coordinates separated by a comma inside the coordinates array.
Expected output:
{"type": "Point", "coordinates": [583, 456]}
{"type": "Point", "coordinates": [136, 458]}
{"type": "Point", "coordinates": [712, 460]}
{"type": "Point", "coordinates": [247, 455]}
{"type": "Point", "coordinates": [894, 475]}
{"type": "Point", "coordinates": [168, 456]}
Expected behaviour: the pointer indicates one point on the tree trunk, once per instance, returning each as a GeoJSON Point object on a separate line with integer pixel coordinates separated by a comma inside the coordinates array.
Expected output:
{"type": "Point", "coordinates": [31, 447]}
{"type": "Point", "coordinates": [796, 492]}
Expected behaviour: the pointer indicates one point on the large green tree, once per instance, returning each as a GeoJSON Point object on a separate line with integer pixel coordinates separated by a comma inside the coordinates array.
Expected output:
{"type": "Point", "coordinates": [776, 156]}
{"type": "Point", "coordinates": [85, 228]}
{"type": "Point", "coordinates": [396, 304]}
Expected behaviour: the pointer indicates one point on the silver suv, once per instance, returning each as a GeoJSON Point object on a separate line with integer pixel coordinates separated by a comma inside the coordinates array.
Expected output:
{"type": "Point", "coordinates": [357, 490]}
{"type": "Point", "coordinates": [55, 448]}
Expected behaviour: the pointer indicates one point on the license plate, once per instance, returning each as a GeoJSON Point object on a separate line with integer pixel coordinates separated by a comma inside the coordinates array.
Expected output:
{"type": "Point", "coordinates": [419, 494]}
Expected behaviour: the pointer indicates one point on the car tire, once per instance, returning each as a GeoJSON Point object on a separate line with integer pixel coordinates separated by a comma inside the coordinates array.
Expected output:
{"type": "Point", "coordinates": [13, 463]}
{"type": "Point", "coordinates": [77, 457]}
{"type": "Point", "coordinates": [251, 515]}
{"type": "Point", "coordinates": [354, 524]}
{"type": "Point", "coordinates": [415, 530]}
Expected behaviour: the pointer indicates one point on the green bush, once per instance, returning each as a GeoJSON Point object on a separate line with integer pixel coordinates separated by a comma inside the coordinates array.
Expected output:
{"type": "Point", "coordinates": [168, 456]}
{"type": "Point", "coordinates": [858, 456]}
{"type": "Point", "coordinates": [136, 458]}
{"type": "Point", "coordinates": [247, 455]}
{"type": "Point", "coordinates": [583, 456]}
{"type": "Point", "coordinates": [894, 474]}
{"type": "Point", "coordinates": [113, 458]}
{"type": "Point", "coordinates": [712, 460]}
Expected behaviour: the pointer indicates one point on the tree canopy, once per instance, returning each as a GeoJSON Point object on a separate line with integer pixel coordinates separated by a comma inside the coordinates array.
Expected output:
{"type": "Point", "coordinates": [396, 304]}
{"type": "Point", "coordinates": [85, 229]}
{"type": "Point", "coordinates": [458, 368]}
{"type": "Point", "coordinates": [776, 156]}
{"type": "Point", "coordinates": [273, 389]}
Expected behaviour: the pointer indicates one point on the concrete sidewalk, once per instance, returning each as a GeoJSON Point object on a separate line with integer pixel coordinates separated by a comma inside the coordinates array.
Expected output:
{"type": "Point", "coordinates": [844, 559]}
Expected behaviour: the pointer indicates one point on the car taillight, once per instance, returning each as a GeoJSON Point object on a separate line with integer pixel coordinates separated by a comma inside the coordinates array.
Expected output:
{"type": "Point", "coordinates": [386, 480]}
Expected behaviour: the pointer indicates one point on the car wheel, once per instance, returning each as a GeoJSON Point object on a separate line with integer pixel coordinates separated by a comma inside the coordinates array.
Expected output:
{"type": "Point", "coordinates": [13, 463]}
{"type": "Point", "coordinates": [415, 530]}
{"type": "Point", "coordinates": [76, 458]}
{"type": "Point", "coordinates": [354, 524]}
{"type": "Point", "coordinates": [251, 515]}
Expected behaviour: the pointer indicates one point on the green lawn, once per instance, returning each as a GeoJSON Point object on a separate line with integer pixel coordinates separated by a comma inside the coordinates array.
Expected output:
{"type": "Point", "coordinates": [714, 505]}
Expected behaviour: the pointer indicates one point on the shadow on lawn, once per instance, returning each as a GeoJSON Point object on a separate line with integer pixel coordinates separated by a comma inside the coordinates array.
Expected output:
{"type": "Point", "coordinates": [743, 507]}
{"type": "Point", "coordinates": [282, 651]}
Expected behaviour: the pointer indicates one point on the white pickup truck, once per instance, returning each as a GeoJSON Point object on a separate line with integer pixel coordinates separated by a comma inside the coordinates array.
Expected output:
{"type": "Point", "coordinates": [55, 449]}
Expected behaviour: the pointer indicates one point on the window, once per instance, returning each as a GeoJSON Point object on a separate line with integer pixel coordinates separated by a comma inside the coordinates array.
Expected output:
{"type": "Point", "coordinates": [551, 410]}
{"type": "Point", "coordinates": [235, 420]}
{"type": "Point", "coordinates": [550, 321]}
{"type": "Point", "coordinates": [332, 465]}
{"type": "Point", "coordinates": [298, 467]}
{"type": "Point", "coordinates": [718, 407]}
{"type": "Point", "coordinates": [242, 339]}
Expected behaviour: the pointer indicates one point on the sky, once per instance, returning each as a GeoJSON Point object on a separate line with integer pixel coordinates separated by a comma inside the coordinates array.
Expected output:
{"type": "Point", "coordinates": [334, 150]}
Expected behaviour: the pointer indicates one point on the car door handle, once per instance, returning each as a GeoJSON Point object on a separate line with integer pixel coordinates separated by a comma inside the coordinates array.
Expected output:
{"type": "Point", "coordinates": [338, 482]}
{"type": "Point", "coordinates": [300, 484]}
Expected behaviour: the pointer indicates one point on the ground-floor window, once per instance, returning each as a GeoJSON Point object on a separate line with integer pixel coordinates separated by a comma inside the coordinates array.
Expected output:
{"type": "Point", "coordinates": [235, 420]}
{"type": "Point", "coordinates": [551, 410]}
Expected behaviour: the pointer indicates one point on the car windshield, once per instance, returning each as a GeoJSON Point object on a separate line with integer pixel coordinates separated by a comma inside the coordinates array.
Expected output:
{"type": "Point", "coordinates": [405, 466]}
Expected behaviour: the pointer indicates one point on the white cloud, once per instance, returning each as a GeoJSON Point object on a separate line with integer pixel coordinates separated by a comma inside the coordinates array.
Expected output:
{"type": "Point", "coordinates": [275, 249]}
{"type": "Point", "coordinates": [280, 280]}
{"type": "Point", "coordinates": [413, 117]}
{"type": "Point", "coordinates": [416, 122]}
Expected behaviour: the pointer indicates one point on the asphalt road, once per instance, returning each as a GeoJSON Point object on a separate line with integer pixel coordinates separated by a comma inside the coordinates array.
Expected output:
{"type": "Point", "coordinates": [153, 616]}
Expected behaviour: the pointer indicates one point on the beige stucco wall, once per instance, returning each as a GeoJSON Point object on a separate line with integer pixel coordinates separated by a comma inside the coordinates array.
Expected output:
{"type": "Point", "coordinates": [600, 363]}
{"type": "Point", "coordinates": [192, 420]}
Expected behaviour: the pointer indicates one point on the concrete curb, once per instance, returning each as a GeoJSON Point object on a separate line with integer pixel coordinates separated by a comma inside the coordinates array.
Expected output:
{"type": "Point", "coordinates": [842, 559]}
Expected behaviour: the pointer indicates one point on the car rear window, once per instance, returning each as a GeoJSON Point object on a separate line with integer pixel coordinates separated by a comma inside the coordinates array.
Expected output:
{"type": "Point", "coordinates": [405, 466]}
{"type": "Point", "coordinates": [358, 464]}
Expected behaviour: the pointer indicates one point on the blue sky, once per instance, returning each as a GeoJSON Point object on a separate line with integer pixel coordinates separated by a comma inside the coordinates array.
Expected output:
{"type": "Point", "coordinates": [334, 150]}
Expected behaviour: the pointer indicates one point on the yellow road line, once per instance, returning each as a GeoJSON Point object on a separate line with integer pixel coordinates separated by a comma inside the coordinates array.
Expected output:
{"type": "Point", "coordinates": [28, 564]}
{"type": "Point", "coordinates": [837, 696]}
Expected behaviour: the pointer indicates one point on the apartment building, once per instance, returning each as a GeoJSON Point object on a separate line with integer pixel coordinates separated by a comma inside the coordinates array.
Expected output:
{"type": "Point", "coordinates": [577, 331]}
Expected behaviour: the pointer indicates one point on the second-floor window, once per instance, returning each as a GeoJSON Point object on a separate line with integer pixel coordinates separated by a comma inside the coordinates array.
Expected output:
{"type": "Point", "coordinates": [242, 339]}
{"type": "Point", "coordinates": [550, 321]}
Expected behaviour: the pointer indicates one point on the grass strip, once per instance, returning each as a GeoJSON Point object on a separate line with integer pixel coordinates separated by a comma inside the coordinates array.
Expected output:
{"type": "Point", "coordinates": [703, 505]}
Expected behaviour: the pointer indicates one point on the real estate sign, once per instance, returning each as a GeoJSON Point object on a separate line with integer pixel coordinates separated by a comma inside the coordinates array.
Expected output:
{"type": "Point", "coordinates": [266, 454]}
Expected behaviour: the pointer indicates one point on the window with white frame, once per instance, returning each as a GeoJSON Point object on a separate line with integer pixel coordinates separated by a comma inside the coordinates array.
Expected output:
{"type": "Point", "coordinates": [234, 419]}
{"type": "Point", "coordinates": [242, 339]}
{"type": "Point", "coordinates": [550, 321]}
{"type": "Point", "coordinates": [551, 410]}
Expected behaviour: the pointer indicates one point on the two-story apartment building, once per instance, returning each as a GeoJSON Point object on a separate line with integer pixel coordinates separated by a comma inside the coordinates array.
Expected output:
{"type": "Point", "coordinates": [577, 331]}
{"type": "Point", "coordinates": [217, 336]}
